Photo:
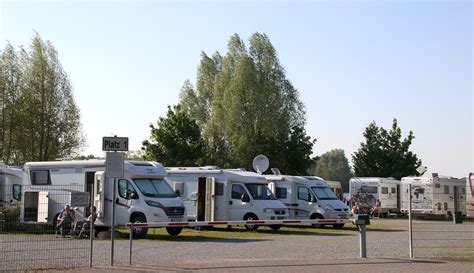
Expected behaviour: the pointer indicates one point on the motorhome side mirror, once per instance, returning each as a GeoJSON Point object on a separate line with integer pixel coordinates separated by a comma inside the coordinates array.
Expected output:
{"type": "Point", "coordinates": [245, 198]}
{"type": "Point", "coordinates": [178, 193]}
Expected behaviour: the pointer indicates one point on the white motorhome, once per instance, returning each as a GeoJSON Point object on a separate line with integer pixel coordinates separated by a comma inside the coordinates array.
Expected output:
{"type": "Point", "coordinates": [367, 190]}
{"type": "Point", "coordinates": [336, 187]}
{"type": "Point", "coordinates": [212, 194]}
{"type": "Point", "coordinates": [308, 197]}
{"type": "Point", "coordinates": [10, 185]}
{"type": "Point", "coordinates": [470, 195]}
{"type": "Point", "coordinates": [142, 195]}
{"type": "Point", "coordinates": [433, 195]}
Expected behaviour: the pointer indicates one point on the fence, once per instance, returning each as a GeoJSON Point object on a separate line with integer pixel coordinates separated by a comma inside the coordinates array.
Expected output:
{"type": "Point", "coordinates": [29, 236]}
{"type": "Point", "coordinates": [440, 227]}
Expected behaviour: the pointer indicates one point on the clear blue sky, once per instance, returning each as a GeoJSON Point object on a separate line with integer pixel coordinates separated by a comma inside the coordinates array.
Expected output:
{"type": "Point", "coordinates": [352, 61]}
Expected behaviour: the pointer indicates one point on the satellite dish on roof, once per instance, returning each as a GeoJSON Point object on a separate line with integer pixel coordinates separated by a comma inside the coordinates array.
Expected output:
{"type": "Point", "coordinates": [421, 170]}
{"type": "Point", "coordinates": [260, 163]}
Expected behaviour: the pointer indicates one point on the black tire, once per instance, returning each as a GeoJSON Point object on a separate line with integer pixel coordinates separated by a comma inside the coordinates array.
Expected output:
{"type": "Point", "coordinates": [139, 232]}
{"type": "Point", "coordinates": [275, 227]}
{"type": "Point", "coordinates": [174, 231]}
{"type": "Point", "coordinates": [338, 226]}
{"type": "Point", "coordinates": [250, 217]}
{"type": "Point", "coordinates": [316, 216]}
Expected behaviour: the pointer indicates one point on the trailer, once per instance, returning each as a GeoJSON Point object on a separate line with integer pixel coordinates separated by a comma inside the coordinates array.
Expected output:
{"type": "Point", "coordinates": [213, 194]}
{"type": "Point", "coordinates": [142, 195]}
{"type": "Point", "coordinates": [10, 185]}
{"type": "Point", "coordinates": [367, 190]}
{"type": "Point", "coordinates": [470, 195]}
{"type": "Point", "coordinates": [433, 195]}
{"type": "Point", "coordinates": [308, 197]}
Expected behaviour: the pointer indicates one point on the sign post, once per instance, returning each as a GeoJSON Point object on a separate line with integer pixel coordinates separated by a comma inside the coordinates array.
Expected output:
{"type": "Point", "coordinates": [114, 168]}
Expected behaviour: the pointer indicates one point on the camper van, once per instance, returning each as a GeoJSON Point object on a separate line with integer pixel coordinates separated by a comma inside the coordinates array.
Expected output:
{"type": "Point", "coordinates": [213, 194]}
{"type": "Point", "coordinates": [433, 195]}
{"type": "Point", "coordinates": [308, 198]}
{"type": "Point", "coordinates": [10, 185]}
{"type": "Point", "coordinates": [336, 187]}
{"type": "Point", "coordinates": [141, 195]}
{"type": "Point", "coordinates": [470, 195]}
{"type": "Point", "coordinates": [367, 190]}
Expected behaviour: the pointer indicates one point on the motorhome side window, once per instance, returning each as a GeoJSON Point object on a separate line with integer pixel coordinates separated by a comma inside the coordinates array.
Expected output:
{"type": "Point", "coordinates": [281, 193]}
{"type": "Point", "coordinates": [40, 177]}
{"type": "Point", "coordinates": [446, 189]}
{"type": "Point", "coordinates": [237, 191]}
{"type": "Point", "coordinates": [16, 192]}
{"type": "Point", "coordinates": [125, 188]}
{"type": "Point", "coordinates": [384, 190]}
{"type": "Point", "coordinates": [304, 194]}
{"type": "Point", "coordinates": [394, 190]}
{"type": "Point", "coordinates": [219, 189]}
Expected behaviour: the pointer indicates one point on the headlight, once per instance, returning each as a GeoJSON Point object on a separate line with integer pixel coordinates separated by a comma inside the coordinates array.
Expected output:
{"type": "Point", "coordinates": [268, 211]}
{"type": "Point", "coordinates": [154, 204]}
{"type": "Point", "coordinates": [329, 208]}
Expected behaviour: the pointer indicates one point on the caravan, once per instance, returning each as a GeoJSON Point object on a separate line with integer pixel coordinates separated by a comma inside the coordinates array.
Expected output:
{"type": "Point", "coordinates": [470, 195]}
{"type": "Point", "coordinates": [212, 194]}
{"type": "Point", "coordinates": [308, 197]}
{"type": "Point", "coordinates": [10, 185]}
{"type": "Point", "coordinates": [367, 190]}
{"type": "Point", "coordinates": [336, 187]}
{"type": "Point", "coordinates": [141, 195]}
{"type": "Point", "coordinates": [433, 195]}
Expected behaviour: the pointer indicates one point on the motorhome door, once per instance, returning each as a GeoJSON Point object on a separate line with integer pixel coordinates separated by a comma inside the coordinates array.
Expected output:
{"type": "Point", "coordinates": [210, 199]}
{"type": "Point", "coordinates": [99, 193]}
{"type": "Point", "coordinates": [43, 206]}
{"type": "Point", "coordinates": [237, 207]}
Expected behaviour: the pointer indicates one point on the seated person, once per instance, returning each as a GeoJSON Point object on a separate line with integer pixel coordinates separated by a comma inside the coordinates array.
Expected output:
{"type": "Point", "coordinates": [356, 208]}
{"type": "Point", "coordinates": [65, 219]}
{"type": "Point", "coordinates": [87, 223]}
{"type": "Point", "coordinates": [375, 209]}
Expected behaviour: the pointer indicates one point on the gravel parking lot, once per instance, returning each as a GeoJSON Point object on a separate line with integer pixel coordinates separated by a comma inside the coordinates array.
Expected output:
{"type": "Point", "coordinates": [386, 238]}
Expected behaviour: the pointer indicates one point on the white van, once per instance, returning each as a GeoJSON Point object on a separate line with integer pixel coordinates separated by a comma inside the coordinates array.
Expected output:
{"type": "Point", "coordinates": [367, 190]}
{"type": "Point", "coordinates": [308, 198]}
{"type": "Point", "coordinates": [433, 195]}
{"type": "Point", "coordinates": [10, 185]}
{"type": "Point", "coordinates": [212, 194]}
{"type": "Point", "coordinates": [141, 195]}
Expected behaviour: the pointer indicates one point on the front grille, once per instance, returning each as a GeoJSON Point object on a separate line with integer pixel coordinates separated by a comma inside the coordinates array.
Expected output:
{"type": "Point", "coordinates": [174, 211]}
{"type": "Point", "coordinates": [280, 212]}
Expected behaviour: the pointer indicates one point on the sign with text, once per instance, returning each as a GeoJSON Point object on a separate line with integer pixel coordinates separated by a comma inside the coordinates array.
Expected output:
{"type": "Point", "coordinates": [115, 144]}
{"type": "Point", "coordinates": [114, 165]}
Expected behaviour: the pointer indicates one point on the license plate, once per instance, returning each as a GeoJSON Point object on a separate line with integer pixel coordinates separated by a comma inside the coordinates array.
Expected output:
{"type": "Point", "coordinates": [176, 219]}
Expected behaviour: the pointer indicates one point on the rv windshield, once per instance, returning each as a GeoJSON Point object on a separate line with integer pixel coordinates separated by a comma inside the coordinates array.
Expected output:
{"type": "Point", "coordinates": [154, 188]}
{"type": "Point", "coordinates": [260, 192]}
{"type": "Point", "coordinates": [324, 193]}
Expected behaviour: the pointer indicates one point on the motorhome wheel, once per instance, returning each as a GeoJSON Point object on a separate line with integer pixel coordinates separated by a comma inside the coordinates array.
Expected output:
{"type": "Point", "coordinates": [317, 216]}
{"type": "Point", "coordinates": [250, 217]}
{"type": "Point", "coordinates": [173, 231]}
{"type": "Point", "coordinates": [275, 227]}
{"type": "Point", "coordinates": [139, 232]}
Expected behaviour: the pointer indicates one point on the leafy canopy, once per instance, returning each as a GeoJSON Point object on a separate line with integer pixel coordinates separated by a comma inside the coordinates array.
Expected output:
{"type": "Point", "coordinates": [385, 154]}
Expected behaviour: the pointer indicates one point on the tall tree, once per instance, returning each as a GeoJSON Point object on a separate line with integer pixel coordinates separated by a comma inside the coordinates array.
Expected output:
{"type": "Point", "coordinates": [41, 120]}
{"type": "Point", "coordinates": [333, 166]}
{"type": "Point", "coordinates": [251, 108]}
{"type": "Point", "coordinates": [175, 141]}
{"type": "Point", "coordinates": [385, 154]}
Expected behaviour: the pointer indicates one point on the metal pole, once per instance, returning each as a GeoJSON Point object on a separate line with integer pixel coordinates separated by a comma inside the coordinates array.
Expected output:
{"type": "Point", "coordinates": [362, 241]}
{"type": "Point", "coordinates": [91, 237]}
{"type": "Point", "coordinates": [112, 231]}
{"type": "Point", "coordinates": [130, 248]}
{"type": "Point", "coordinates": [410, 223]}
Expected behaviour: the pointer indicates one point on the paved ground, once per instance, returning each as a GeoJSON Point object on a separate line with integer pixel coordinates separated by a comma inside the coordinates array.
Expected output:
{"type": "Point", "coordinates": [304, 265]}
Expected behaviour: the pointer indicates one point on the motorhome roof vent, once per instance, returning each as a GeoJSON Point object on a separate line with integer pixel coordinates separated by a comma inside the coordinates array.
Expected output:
{"type": "Point", "coordinates": [276, 171]}
{"type": "Point", "coordinates": [141, 164]}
